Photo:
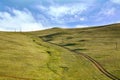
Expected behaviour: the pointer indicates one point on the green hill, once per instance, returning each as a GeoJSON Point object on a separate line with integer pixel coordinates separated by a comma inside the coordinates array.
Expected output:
{"type": "Point", "coordinates": [42, 55]}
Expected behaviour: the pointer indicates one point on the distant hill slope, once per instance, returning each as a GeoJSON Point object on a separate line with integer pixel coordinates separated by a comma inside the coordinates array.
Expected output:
{"type": "Point", "coordinates": [25, 56]}
{"type": "Point", "coordinates": [101, 43]}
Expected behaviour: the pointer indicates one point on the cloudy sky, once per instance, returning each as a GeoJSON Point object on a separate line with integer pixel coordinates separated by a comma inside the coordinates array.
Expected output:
{"type": "Point", "coordinates": [29, 15]}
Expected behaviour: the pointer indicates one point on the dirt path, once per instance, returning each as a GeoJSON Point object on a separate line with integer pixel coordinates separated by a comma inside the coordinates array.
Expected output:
{"type": "Point", "coordinates": [97, 64]}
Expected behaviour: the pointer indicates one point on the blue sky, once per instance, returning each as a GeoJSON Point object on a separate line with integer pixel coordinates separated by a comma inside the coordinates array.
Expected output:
{"type": "Point", "coordinates": [30, 15]}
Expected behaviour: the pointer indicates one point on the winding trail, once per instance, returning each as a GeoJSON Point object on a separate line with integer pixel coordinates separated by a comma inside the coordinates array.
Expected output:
{"type": "Point", "coordinates": [97, 64]}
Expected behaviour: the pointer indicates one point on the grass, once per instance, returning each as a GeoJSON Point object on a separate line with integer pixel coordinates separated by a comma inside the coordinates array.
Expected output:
{"type": "Point", "coordinates": [26, 55]}
{"type": "Point", "coordinates": [101, 43]}
{"type": "Point", "coordinates": [20, 57]}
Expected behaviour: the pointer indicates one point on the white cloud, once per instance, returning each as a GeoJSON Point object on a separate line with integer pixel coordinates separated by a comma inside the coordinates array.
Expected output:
{"type": "Point", "coordinates": [115, 1]}
{"type": "Point", "coordinates": [62, 14]}
{"type": "Point", "coordinates": [65, 13]}
{"type": "Point", "coordinates": [2, 29]}
{"type": "Point", "coordinates": [60, 11]}
{"type": "Point", "coordinates": [81, 26]}
{"type": "Point", "coordinates": [82, 19]}
{"type": "Point", "coordinates": [21, 20]}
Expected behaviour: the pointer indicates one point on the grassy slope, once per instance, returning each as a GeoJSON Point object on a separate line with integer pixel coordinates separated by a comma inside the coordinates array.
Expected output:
{"type": "Point", "coordinates": [24, 56]}
{"type": "Point", "coordinates": [98, 42]}
{"type": "Point", "coordinates": [20, 57]}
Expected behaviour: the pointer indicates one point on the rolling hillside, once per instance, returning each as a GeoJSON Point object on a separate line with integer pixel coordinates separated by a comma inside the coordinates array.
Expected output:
{"type": "Point", "coordinates": [53, 54]}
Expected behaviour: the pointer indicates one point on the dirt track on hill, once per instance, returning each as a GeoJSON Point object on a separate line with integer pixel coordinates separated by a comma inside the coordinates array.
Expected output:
{"type": "Point", "coordinates": [97, 64]}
